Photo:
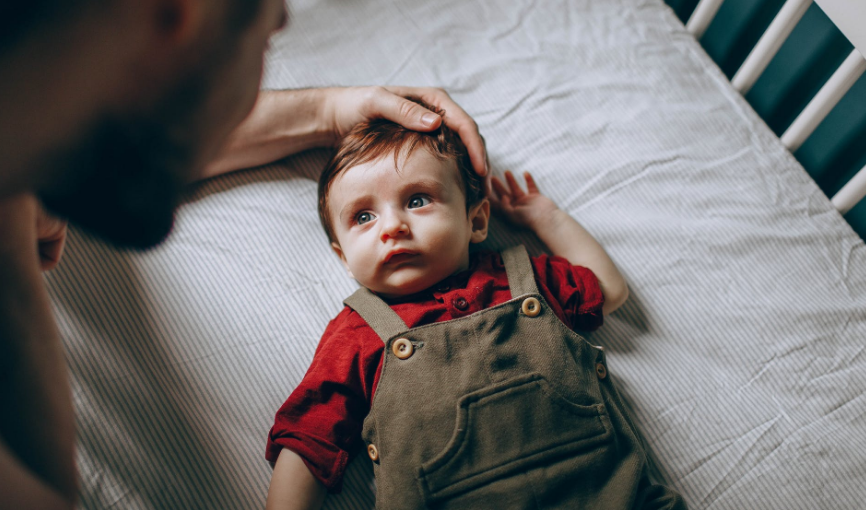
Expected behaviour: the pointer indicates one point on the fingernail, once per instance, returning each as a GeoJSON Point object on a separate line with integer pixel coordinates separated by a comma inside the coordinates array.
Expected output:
{"type": "Point", "coordinates": [428, 119]}
{"type": "Point", "coordinates": [486, 168]}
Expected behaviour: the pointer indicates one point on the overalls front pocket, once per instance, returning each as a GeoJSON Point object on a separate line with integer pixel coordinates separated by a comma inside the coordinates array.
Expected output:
{"type": "Point", "coordinates": [503, 431]}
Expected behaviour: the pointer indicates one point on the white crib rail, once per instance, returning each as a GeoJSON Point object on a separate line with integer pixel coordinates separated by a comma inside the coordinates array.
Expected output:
{"type": "Point", "coordinates": [700, 19]}
{"type": "Point", "coordinates": [852, 192]}
{"type": "Point", "coordinates": [769, 44]}
{"type": "Point", "coordinates": [848, 15]}
{"type": "Point", "coordinates": [824, 101]}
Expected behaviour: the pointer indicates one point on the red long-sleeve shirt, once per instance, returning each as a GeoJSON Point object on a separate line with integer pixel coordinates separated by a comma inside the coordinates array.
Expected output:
{"type": "Point", "coordinates": [322, 419]}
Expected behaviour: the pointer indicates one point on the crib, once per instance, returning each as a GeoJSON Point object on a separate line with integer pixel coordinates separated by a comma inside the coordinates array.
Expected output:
{"type": "Point", "coordinates": [847, 16]}
{"type": "Point", "coordinates": [741, 351]}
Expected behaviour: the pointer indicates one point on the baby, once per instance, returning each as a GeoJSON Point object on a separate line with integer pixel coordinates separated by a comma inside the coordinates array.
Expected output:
{"type": "Point", "coordinates": [460, 374]}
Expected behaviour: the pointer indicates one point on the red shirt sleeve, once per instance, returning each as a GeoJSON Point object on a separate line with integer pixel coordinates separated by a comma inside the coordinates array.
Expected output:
{"type": "Point", "coordinates": [322, 419]}
{"type": "Point", "coordinates": [572, 291]}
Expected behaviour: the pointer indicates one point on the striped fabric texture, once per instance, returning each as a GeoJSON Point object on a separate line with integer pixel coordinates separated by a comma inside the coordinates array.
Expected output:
{"type": "Point", "coordinates": [740, 351]}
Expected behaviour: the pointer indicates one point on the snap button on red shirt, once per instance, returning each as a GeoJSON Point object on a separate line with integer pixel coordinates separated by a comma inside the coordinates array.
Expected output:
{"type": "Point", "coordinates": [461, 304]}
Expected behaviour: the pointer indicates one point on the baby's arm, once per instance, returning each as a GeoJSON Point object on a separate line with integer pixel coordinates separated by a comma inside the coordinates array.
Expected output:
{"type": "Point", "coordinates": [562, 234]}
{"type": "Point", "coordinates": [293, 486]}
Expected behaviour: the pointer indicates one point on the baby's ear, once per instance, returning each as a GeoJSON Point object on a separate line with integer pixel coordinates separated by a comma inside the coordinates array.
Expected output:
{"type": "Point", "coordinates": [479, 218]}
{"type": "Point", "coordinates": [339, 252]}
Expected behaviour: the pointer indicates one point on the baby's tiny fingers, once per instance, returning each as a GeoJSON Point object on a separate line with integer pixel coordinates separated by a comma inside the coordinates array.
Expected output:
{"type": "Point", "coordinates": [505, 203]}
{"type": "Point", "coordinates": [516, 190]}
{"type": "Point", "coordinates": [498, 187]}
{"type": "Point", "coordinates": [531, 187]}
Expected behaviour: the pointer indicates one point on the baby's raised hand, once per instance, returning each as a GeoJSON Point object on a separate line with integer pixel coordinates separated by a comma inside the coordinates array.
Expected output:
{"type": "Point", "coordinates": [528, 208]}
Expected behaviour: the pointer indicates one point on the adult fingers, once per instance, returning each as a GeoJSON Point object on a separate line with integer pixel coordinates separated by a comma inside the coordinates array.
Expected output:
{"type": "Point", "coordinates": [396, 108]}
{"type": "Point", "coordinates": [455, 118]}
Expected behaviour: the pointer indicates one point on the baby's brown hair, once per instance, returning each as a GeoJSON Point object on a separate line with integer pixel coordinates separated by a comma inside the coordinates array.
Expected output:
{"type": "Point", "coordinates": [374, 139]}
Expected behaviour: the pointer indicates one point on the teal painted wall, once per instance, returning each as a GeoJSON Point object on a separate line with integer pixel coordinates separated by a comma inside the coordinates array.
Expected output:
{"type": "Point", "coordinates": [837, 148]}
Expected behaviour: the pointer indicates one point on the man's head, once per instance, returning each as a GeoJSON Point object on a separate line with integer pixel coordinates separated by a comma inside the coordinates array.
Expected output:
{"type": "Point", "coordinates": [151, 90]}
{"type": "Point", "coordinates": [401, 207]}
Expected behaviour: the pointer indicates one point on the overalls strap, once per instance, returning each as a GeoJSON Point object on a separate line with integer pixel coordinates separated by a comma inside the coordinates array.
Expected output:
{"type": "Point", "coordinates": [376, 312]}
{"type": "Point", "coordinates": [518, 267]}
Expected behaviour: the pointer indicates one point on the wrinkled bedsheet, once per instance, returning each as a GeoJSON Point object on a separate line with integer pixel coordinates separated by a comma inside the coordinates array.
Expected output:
{"type": "Point", "coordinates": [740, 350]}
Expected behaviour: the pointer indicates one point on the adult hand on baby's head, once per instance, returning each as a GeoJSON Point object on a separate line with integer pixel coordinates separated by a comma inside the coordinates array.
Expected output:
{"type": "Point", "coordinates": [523, 208]}
{"type": "Point", "coordinates": [346, 107]}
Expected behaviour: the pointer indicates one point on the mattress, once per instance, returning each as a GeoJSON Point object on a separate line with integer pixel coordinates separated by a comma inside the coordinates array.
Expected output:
{"type": "Point", "coordinates": [740, 352]}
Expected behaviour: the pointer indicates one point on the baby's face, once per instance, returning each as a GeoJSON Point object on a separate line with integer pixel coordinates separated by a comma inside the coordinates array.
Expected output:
{"type": "Point", "coordinates": [401, 232]}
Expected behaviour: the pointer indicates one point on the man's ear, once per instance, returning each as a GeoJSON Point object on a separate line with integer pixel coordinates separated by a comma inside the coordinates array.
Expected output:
{"type": "Point", "coordinates": [178, 20]}
{"type": "Point", "coordinates": [339, 252]}
{"type": "Point", "coordinates": [479, 218]}
{"type": "Point", "coordinates": [174, 28]}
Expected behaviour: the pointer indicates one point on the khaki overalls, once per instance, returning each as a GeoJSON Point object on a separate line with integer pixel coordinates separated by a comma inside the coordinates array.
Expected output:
{"type": "Point", "coordinates": [505, 408]}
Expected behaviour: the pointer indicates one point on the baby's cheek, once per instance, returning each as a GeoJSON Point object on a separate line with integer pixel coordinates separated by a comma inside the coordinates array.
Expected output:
{"type": "Point", "coordinates": [365, 274]}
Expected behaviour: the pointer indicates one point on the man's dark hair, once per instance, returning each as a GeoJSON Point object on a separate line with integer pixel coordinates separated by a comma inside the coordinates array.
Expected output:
{"type": "Point", "coordinates": [18, 18]}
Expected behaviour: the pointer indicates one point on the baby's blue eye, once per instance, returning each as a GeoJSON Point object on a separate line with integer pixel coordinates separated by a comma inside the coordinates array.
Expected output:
{"type": "Point", "coordinates": [419, 201]}
{"type": "Point", "coordinates": [364, 217]}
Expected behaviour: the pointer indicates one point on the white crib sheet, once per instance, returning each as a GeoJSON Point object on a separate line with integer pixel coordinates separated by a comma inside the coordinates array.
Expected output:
{"type": "Point", "coordinates": [740, 351]}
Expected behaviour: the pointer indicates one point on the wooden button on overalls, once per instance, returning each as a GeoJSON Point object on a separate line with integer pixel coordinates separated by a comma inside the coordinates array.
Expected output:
{"type": "Point", "coordinates": [402, 348]}
{"type": "Point", "coordinates": [601, 370]}
{"type": "Point", "coordinates": [531, 307]}
{"type": "Point", "coordinates": [504, 409]}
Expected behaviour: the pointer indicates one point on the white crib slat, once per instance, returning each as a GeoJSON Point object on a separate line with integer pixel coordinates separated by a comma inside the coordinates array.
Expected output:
{"type": "Point", "coordinates": [769, 44]}
{"type": "Point", "coordinates": [851, 193]}
{"type": "Point", "coordinates": [824, 101]}
{"type": "Point", "coordinates": [702, 16]}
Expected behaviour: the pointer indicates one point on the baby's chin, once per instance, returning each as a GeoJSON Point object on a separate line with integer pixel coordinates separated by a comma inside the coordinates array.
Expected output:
{"type": "Point", "coordinates": [403, 285]}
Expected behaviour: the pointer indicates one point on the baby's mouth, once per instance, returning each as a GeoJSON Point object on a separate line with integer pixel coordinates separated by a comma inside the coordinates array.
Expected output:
{"type": "Point", "coordinates": [399, 256]}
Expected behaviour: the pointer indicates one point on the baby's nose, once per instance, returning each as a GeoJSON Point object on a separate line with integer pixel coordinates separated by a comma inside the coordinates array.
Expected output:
{"type": "Point", "coordinates": [393, 226]}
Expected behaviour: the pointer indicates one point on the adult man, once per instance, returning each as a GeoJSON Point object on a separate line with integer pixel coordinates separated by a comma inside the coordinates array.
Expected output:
{"type": "Point", "coordinates": [107, 109]}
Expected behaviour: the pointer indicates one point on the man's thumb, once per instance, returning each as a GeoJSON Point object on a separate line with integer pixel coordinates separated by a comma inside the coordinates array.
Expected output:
{"type": "Point", "coordinates": [415, 116]}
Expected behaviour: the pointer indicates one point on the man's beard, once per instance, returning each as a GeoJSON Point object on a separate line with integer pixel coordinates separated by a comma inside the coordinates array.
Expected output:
{"type": "Point", "coordinates": [127, 185]}
{"type": "Point", "coordinates": [123, 179]}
